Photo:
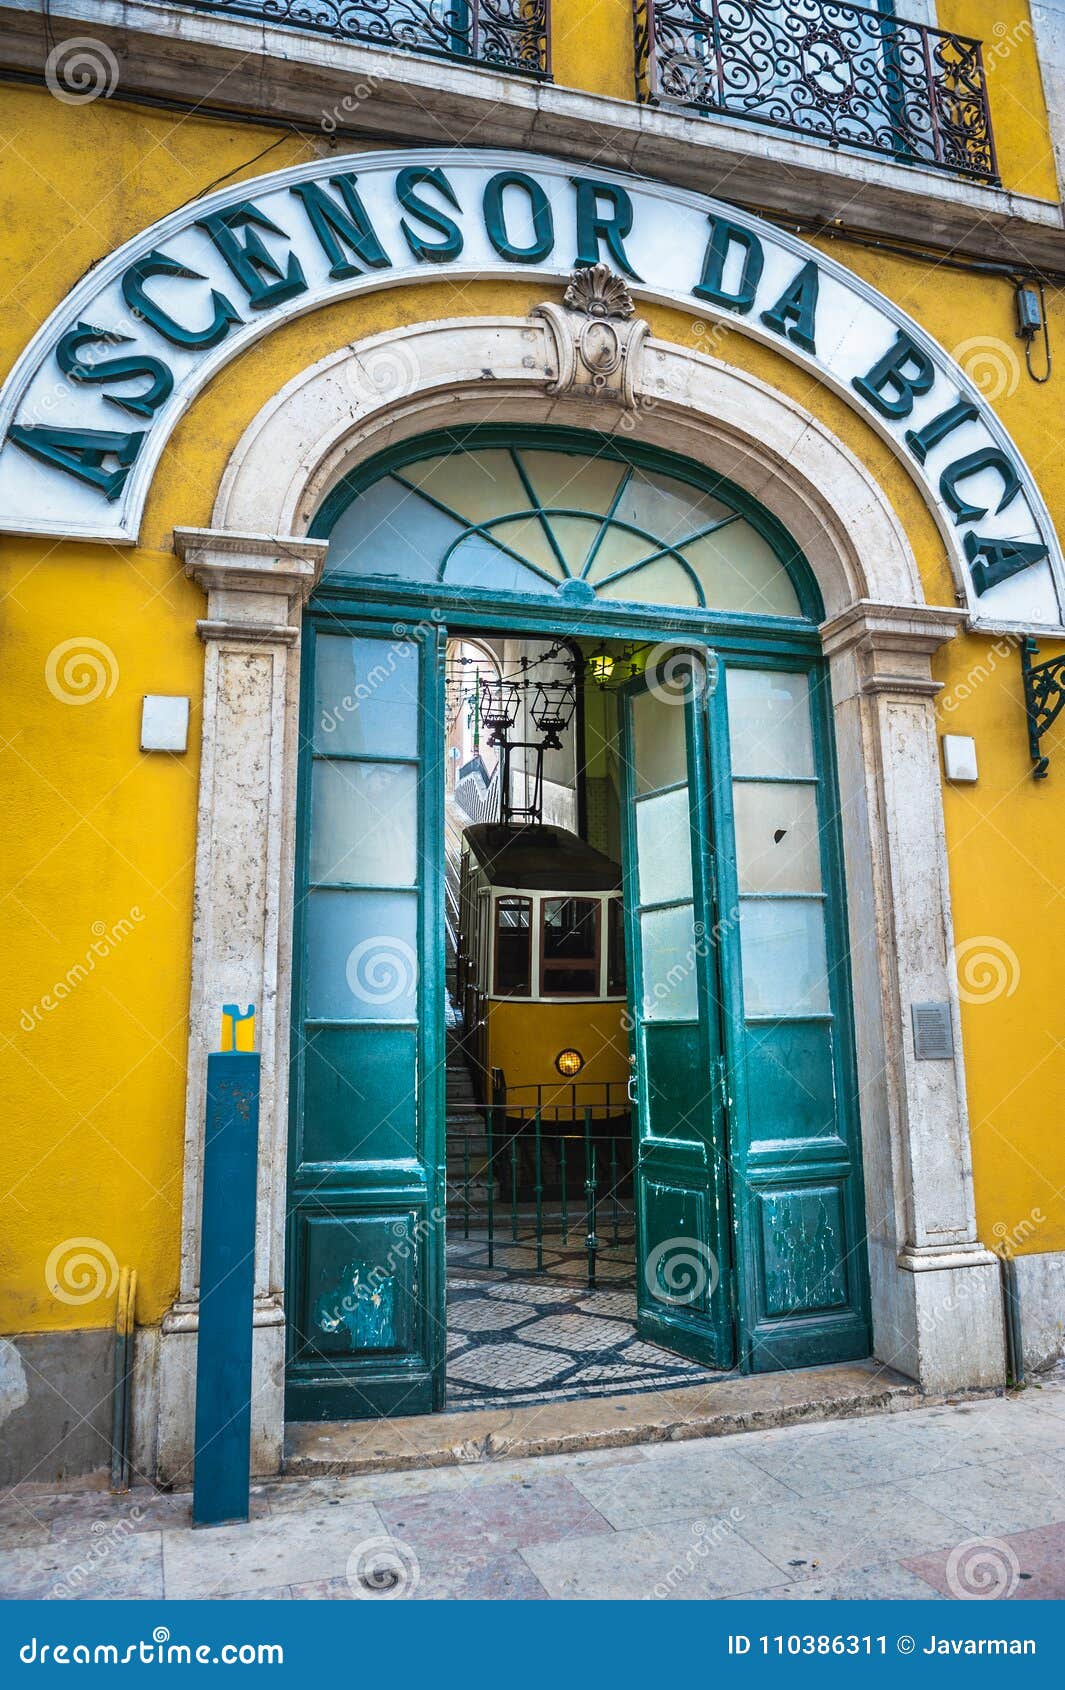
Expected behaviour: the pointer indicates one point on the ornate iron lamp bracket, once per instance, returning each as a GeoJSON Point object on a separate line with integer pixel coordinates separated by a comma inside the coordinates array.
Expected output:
{"type": "Point", "coordinates": [1044, 700]}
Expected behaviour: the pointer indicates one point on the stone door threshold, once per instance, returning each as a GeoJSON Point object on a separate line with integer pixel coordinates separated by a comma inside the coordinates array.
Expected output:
{"type": "Point", "coordinates": [697, 1411]}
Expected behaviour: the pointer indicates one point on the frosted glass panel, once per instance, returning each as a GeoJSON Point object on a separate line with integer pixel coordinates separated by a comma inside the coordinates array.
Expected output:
{"type": "Point", "coordinates": [660, 744]}
{"type": "Point", "coordinates": [474, 485]}
{"type": "Point", "coordinates": [525, 535]}
{"type": "Point", "coordinates": [618, 549]}
{"type": "Point", "coordinates": [670, 509]}
{"type": "Point", "coordinates": [769, 723]}
{"type": "Point", "coordinates": [663, 847]}
{"type": "Point", "coordinates": [366, 695]}
{"type": "Point", "coordinates": [438, 517]}
{"type": "Point", "coordinates": [478, 563]}
{"type": "Point", "coordinates": [574, 536]}
{"type": "Point", "coordinates": [390, 531]}
{"type": "Point", "coordinates": [362, 958]}
{"type": "Point", "coordinates": [576, 484]}
{"type": "Point", "coordinates": [778, 847]}
{"type": "Point", "coordinates": [669, 961]}
{"type": "Point", "coordinates": [783, 946]}
{"type": "Point", "coordinates": [663, 582]}
{"type": "Point", "coordinates": [364, 823]}
{"type": "Point", "coordinates": [740, 571]}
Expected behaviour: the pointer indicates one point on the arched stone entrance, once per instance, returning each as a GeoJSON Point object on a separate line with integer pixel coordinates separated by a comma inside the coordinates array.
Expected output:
{"type": "Point", "coordinates": [935, 1302]}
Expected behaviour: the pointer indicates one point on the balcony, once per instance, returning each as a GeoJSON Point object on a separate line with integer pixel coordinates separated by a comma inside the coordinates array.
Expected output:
{"type": "Point", "coordinates": [509, 35]}
{"type": "Point", "coordinates": [841, 74]}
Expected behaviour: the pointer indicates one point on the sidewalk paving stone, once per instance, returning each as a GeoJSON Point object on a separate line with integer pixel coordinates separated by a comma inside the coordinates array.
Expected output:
{"type": "Point", "coordinates": [493, 1517]}
{"type": "Point", "coordinates": [84, 1569]}
{"type": "Point", "coordinates": [219, 1560]}
{"type": "Point", "coordinates": [1032, 1569]}
{"type": "Point", "coordinates": [886, 1506]}
{"type": "Point", "coordinates": [679, 1561]}
{"type": "Point", "coordinates": [863, 1527]}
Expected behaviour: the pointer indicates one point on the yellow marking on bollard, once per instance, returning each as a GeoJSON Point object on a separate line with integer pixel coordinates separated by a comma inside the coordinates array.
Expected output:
{"type": "Point", "coordinates": [238, 1027]}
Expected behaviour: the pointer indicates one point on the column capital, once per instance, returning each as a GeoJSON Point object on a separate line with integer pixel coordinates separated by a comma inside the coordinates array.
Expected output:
{"type": "Point", "coordinates": [256, 584]}
{"type": "Point", "coordinates": [890, 646]}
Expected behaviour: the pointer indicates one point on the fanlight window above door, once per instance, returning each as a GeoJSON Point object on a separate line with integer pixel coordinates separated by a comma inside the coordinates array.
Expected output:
{"type": "Point", "coordinates": [549, 522]}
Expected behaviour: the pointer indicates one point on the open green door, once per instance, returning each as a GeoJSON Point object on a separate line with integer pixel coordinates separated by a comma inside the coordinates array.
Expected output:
{"type": "Point", "coordinates": [682, 1234]}
{"type": "Point", "coordinates": [366, 1179]}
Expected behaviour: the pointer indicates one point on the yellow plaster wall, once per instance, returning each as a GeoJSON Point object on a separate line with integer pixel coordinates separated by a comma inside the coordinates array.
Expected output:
{"type": "Point", "coordinates": [100, 834]}
{"type": "Point", "coordinates": [1014, 87]}
{"type": "Point", "coordinates": [1007, 873]}
{"type": "Point", "coordinates": [592, 46]}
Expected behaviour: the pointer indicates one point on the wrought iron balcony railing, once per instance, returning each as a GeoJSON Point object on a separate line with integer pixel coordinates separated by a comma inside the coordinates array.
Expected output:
{"type": "Point", "coordinates": [848, 75]}
{"type": "Point", "coordinates": [504, 34]}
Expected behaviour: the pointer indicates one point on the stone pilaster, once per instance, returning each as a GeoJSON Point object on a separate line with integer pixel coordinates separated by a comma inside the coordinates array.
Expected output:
{"type": "Point", "coordinates": [936, 1300]}
{"type": "Point", "coordinates": [256, 586]}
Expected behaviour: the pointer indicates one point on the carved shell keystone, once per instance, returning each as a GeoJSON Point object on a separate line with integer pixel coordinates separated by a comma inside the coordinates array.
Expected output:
{"type": "Point", "coordinates": [597, 292]}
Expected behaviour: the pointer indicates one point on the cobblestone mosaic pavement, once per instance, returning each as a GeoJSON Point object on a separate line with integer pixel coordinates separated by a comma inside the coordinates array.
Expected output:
{"type": "Point", "coordinates": [941, 1503]}
{"type": "Point", "coordinates": [516, 1337]}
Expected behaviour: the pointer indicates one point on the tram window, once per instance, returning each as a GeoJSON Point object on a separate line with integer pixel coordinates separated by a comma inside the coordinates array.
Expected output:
{"type": "Point", "coordinates": [615, 949]}
{"type": "Point", "coordinates": [570, 956]}
{"type": "Point", "coordinates": [513, 947]}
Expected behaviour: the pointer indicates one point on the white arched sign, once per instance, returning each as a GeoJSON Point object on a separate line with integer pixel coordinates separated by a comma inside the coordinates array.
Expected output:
{"type": "Point", "coordinates": [88, 408]}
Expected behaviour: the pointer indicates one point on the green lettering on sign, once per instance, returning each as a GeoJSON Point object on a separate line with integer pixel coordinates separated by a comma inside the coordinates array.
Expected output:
{"type": "Point", "coordinates": [994, 561]}
{"type": "Point", "coordinates": [920, 441]}
{"type": "Point", "coordinates": [495, 217]}
{"type": "Point", "coordinates": [235, 234]}
{"type": "Point", "coordinates": [157, 263]}
{"type": "Point", "coordinates": [595, 225]}
{"type": "Point", "coordinates": [433, 252]}
{"type": "Point", "coordinates": [890, 372]}
{"type": "Point", "coordinates": [347, 223]}
{"type": "Point", "coordinates": [81, 453]}
{"type": "Point", "coordinates": [989, 457]}
{"type": "Point", "coordinates": [711, 284]}
{"type": "Point", "coordinates": [797, 307]}
{"type": "Point", "coordinates": [68, 357]}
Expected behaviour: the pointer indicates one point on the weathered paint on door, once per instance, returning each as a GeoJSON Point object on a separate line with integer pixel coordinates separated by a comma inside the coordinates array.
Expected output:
{"type": "Point", "coordinates": [749, 1109]}
{"type": "Point", "coordinates": [799, 1238]}
{"type": "Point", "coordinates": [683, 1280]}
{"type": "Point", "coordinates": [366, 1220]}
{"type": "Point", "coordinates": [750, 1224]}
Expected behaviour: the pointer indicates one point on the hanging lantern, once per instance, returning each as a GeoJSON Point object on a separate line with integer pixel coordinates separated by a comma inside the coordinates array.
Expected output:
{"type": "Point", "coordinates": [499, 707]}
{"type": "Point", "coordinates": [601, 667]}
{"type": "Point", "coordinates": [552, 707]}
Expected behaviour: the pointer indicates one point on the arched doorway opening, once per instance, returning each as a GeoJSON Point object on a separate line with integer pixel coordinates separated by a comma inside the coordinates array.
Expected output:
{"type": "Point", "coordinates": [694, 617]}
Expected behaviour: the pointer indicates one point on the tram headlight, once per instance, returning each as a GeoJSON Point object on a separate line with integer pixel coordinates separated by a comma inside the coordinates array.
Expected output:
{"type": "Point", "coordinates": [569, 1063]}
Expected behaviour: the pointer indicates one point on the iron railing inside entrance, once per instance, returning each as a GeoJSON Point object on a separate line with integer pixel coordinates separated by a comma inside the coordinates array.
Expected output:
{"type": "Point", "coordinates": [849, 75]}
{"type": "Point", "coordinates": [509, 35]}
{"type": "Point", "coordinates": [542, 1178]}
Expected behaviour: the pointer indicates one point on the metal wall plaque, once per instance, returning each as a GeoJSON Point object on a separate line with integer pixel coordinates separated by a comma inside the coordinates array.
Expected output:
{"type": "Point", "coordinates": [933, 1033]}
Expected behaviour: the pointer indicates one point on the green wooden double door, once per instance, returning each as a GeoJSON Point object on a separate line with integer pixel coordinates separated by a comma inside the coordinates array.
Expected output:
{"type": "Point", "coordinates": [750, 1245]}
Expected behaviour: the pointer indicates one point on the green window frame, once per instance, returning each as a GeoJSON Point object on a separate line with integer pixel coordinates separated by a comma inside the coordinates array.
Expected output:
{"type": "Point", "coordinates": [565, 567]}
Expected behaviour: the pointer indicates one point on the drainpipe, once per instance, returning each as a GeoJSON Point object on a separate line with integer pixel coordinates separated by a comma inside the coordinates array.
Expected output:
{"type": "Point", "coordinates": [123, 1386]}
{"type": "Point", "coordinates": [1011, 1306]}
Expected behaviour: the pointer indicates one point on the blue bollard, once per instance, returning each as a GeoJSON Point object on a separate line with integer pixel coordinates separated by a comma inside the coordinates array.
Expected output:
{"type": "Point", "coordinates": [221, 1475]}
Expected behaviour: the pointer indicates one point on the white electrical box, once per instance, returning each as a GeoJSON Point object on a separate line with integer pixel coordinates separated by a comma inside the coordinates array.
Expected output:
{"type": "Point", "coordinates": [164, 723]}
{"type": "Point", "coordinates": [959, 757]}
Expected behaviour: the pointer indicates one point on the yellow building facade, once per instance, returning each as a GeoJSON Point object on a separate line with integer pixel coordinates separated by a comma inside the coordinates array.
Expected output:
{"type": "Point", "coordinates": [135, 887]}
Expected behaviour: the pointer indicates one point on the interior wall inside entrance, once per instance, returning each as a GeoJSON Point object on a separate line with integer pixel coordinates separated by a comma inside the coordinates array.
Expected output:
{"type": "Point", "coordinates": [541, 1259]}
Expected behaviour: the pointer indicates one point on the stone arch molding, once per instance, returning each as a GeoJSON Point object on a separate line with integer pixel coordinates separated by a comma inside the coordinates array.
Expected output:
{"type": "Point", "coordinates": [87, 410]}
{"type": "Point", "coordinates": [460, 371]}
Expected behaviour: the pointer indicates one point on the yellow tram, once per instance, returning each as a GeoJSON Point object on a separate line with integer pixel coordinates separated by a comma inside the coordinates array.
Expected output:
{"type": "Point", "coordinates": [541, 970]}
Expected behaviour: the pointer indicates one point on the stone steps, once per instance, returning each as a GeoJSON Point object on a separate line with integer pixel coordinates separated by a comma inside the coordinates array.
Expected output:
{"type": "Point", "coordinates": [726, 1404]}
